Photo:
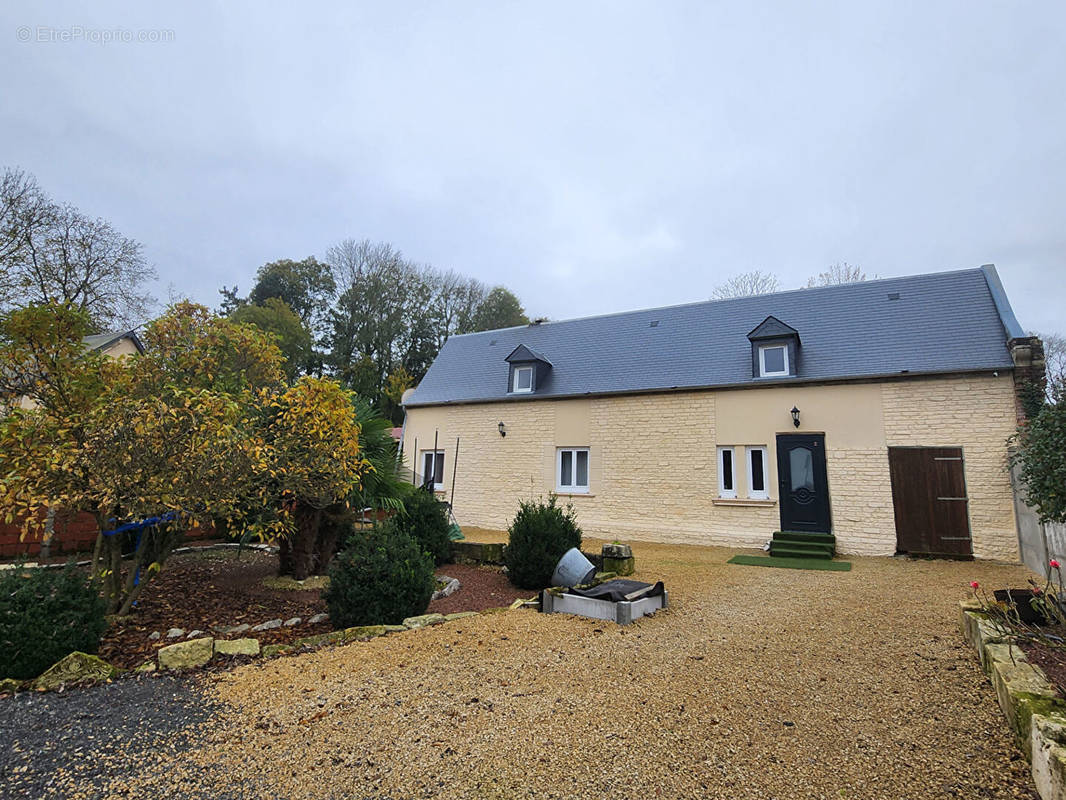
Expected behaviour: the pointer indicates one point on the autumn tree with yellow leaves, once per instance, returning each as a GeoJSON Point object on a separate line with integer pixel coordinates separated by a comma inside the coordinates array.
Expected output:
{"type": "Point", "coordinates": [200, 427]}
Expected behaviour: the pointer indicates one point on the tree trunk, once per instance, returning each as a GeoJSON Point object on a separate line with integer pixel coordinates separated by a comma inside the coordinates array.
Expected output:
{"type": "Point", "coordinates": [304, 539]}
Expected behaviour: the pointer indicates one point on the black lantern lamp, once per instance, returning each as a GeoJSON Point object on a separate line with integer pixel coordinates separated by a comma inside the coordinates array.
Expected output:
{"type": "Point", "coordinates": [795, 416]}
{"type": "Point", "coordinates": [503, 429]}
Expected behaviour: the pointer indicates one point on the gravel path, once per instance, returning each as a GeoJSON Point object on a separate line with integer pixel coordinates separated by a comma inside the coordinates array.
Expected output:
{"type": "Point", "coordinates": [74, 744]}
{"type": "Point", "coordinates": [757, 683]}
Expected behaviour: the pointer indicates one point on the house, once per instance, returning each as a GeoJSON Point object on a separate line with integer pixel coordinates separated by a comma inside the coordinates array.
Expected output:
{"type": "Point", "coordinates": [114, 344]}
{"type": "Point", "coordinates": [875, 412]}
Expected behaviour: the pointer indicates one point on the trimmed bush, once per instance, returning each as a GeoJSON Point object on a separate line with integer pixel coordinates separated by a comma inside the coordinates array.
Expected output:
{"type": "Point", "coordinates": [46, 614]}
{"type": "Point", "coordinates": [425, 520]}
{"type": "Point", "coordinates": [379, 579]}
{"type": "Point", "coordinates": [540, 534]}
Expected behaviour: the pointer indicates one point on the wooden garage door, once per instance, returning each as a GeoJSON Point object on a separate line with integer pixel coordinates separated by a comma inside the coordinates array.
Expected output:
{"type": "Point", "coordinates": [929, 497]}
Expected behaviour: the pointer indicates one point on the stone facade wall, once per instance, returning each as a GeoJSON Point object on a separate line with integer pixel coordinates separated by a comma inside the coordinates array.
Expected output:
{"type": "Point", "coordinates": [974, 413]}
{"type": "Point", "coordinates": [653, 458]}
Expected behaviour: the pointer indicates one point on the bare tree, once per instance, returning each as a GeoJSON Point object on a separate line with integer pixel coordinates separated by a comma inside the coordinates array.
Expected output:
{"type": "Point", "coordinates": [1055, 361]}
{"type": "Point", "coordinates": [839, 273]}
{"type": "Point", "coordinates": [378, 295]}
{"type": "Point", "coordinates": [51, 252]}
{"type": "Point", "coordinates": [747, 284]}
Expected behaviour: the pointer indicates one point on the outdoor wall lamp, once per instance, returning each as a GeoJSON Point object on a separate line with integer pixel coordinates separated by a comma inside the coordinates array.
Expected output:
{"type": "Point", "coordinates": [502, 428]}
{"type": "Point", "coordinates": [795, 416]}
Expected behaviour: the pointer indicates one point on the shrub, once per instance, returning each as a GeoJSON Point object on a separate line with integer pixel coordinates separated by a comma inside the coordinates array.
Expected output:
{"type": "Point", "coordinates": [425, 520]}
{"type": "Point", "coordinates": [1042, 456]}
{"type": "Point", "coordinates": [45, 615]}
{"type": "Point", "coordinates": [540, 534]}
{"type": "Point", "coordinates": [379, 579]}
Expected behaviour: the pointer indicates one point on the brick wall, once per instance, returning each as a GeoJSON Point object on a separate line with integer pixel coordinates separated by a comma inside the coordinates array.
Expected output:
{"type": "Point", "coordinates": [74, 533]}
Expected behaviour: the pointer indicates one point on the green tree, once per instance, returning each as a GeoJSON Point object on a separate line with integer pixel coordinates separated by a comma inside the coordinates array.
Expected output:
{"type": "Point", "coordinates": [1041, 455]}
{"type": "Point", "coordinates": [307, 287]}
{"type": "Point", "coordinates": [500, 309]}
{"type": "Point", "coordinates": [291, 334]}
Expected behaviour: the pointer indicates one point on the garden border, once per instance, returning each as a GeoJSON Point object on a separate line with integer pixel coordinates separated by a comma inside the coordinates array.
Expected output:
{"type": "Point", "coordinates": [1035, 710]}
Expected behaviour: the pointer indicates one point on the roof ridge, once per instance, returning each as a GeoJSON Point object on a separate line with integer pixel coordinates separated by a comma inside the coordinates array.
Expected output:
{"type": "Point", "coordinates": [692, 303]}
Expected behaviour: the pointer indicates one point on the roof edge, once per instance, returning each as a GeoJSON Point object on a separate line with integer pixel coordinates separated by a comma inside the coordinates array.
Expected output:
{"type": "Point", "coordinates": [1010, 322]}
{"type": "Point", "coordinates": [884, 376]}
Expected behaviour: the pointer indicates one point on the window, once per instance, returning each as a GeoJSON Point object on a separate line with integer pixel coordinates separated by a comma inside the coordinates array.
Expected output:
{"type": "Point", "coordinates": [433, 469]}
{"type": "Point", "coordinates": [572, 470]}
{"type": "Point", "coordinates": [773, 360]}
{"type": "Point", "coordinates": [523, 379]}
{"type": "Point", "coordinates": [727, 486]}
{"type": "Point", "coordinates": [757, 474]}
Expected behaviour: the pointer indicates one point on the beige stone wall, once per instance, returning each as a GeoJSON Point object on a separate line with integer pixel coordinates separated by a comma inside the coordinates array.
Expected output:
{"type": "Point", "coordinates": [653, 458]}
{"type": "Point", "coordinates": [976, 414]}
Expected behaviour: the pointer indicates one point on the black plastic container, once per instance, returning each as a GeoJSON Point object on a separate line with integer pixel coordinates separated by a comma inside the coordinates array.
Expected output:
{"type": "Point", "coordinates": [1021, 598]}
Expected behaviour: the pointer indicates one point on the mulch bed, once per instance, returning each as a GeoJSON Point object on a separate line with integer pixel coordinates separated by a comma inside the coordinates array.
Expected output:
{"type": "Point", "coordinates": [199, 590]}
{"type": "Point", "coordinates": [479, 588]}
{"type": "Point", "coordinates": [208, 588]}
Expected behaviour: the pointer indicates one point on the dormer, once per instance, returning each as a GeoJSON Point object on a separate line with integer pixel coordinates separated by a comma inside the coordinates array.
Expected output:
{"type": "Point", "coordinates": [774, 349]}
{"type": "Point", "coordinates": [528, 369]}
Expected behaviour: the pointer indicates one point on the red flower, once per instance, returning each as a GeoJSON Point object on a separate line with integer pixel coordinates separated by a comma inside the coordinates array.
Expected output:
{"type": "Point", "coordinates": [1036, 590]}
{"type": "Point", "coordinates": [1054, 563]}
{"type": "Point", "coordinates": [974, 585]}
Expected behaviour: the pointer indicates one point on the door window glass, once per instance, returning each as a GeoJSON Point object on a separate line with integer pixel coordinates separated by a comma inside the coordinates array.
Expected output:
{"type": "Point", "coordinates": [801, 467]}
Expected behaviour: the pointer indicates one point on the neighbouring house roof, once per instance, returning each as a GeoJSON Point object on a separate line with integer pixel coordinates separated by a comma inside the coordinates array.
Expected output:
{"type": "Point", "coordinates": [101, 341]}
{"type": "Point", "coordinates": [944, 322]}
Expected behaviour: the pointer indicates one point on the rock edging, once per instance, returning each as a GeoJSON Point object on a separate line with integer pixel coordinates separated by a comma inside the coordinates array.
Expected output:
{"type": "Point", "coordinates": [193, 653]}
{"type": "Point", "coordinates": [1035, 711]}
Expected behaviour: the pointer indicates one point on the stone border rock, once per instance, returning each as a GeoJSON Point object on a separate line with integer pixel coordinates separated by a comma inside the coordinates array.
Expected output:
{"type": "Point", "coordinates": [194, 653]}
{"type": "Point", "coordinates": [451, 586]}
{"type": "Point", "coordinates": [1035, 711]}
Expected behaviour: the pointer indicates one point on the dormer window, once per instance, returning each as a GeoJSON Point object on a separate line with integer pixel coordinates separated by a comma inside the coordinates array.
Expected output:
{"type": "Point", "coordinates": [773, 360]}
{"type": "Point", "coordinates": [529, 370]}
{"type": "Point", "coordinates": [523, 379]}
{"type": "Point", "coordinates": [774, 349]}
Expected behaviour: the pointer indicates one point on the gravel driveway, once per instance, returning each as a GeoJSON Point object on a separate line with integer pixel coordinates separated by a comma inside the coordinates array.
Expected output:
{"type": "Point", "coordinates": [757, 683]}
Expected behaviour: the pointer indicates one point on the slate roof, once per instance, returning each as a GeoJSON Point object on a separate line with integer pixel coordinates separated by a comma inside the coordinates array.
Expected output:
{"type": "Point", "coordinates": [941, 323]}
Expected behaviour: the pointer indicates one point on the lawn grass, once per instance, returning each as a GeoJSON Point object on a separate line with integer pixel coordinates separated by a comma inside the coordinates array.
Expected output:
{"type": "Point", "coordinates": [791, 563]}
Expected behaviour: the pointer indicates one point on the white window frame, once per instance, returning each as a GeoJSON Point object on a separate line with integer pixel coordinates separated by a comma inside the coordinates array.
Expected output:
{"type": "Point", "coordinates": [438, 480]}
{"type": "Point", "coordinates": [763, 373]}
{"type": "Point", "coordinates": [723, 492]}
{"type": "Point", "coordinates": [575, 488]}
{"type": "Point", "coordinates": [514, 380]}
{"type": "Point", "coordinates": [765, 493]}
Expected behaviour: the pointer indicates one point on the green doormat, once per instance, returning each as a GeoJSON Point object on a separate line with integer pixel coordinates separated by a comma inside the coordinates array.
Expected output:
{"type": "Point", "coordinates": [791, 563]}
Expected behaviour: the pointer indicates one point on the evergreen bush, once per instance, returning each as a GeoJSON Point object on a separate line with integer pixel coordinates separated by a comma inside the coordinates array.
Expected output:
{"type": "Point", "coordinates": [539, 536]}
{"type": "Point", "coordinates": [381, 577]}
{"type": "Point", "coordinates": [46, 614]}
{"type": "Point", "coordinates": [425, 520]}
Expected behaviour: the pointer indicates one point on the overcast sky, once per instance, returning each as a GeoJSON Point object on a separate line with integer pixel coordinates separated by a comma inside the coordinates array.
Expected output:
{"type": "Point", "coordinates": [593, 157]}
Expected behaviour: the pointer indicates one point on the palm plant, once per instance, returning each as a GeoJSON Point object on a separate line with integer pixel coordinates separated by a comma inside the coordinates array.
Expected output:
{"type": "Point", "coordinates": [382, 487]}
